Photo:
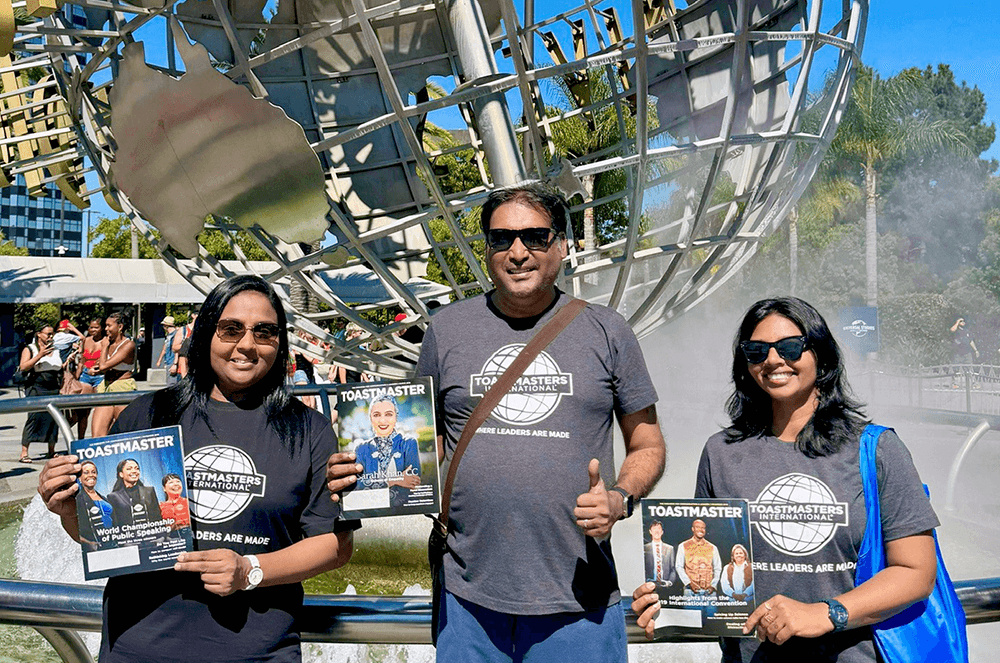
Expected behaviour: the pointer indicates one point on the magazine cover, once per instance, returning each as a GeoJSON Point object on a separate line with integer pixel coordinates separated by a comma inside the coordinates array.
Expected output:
{"type": "Point", "coordinates": [699, 555]}
{"type": "Point", "coordinates": [132, 504]}
{"type": "Point", "coordinates": [391, 427]}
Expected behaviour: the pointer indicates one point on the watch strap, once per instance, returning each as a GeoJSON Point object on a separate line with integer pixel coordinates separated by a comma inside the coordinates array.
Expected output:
{"type": "Point", "coordinates": [628, 502]}
{"type": "Point", "coordinates": [838, 614]}
{"type": "Point", "coordinates": [255, 575]}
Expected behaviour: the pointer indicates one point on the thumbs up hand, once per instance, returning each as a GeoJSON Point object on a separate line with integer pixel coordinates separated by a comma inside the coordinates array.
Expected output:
{"type": "Point", "coordinates": [593, 512]}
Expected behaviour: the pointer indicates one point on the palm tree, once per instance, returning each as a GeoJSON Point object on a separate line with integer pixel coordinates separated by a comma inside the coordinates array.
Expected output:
{"type": "Point", "coordinates": [882, 124]}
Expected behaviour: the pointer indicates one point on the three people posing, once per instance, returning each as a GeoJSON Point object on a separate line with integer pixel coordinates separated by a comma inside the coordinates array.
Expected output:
{"type": "Point", "coordinates": [529, 574]}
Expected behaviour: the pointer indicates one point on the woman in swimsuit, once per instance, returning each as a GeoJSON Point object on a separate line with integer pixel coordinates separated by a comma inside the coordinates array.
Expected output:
{"type": "Point", "coordinates": [93, 345]}
{"type": "Point", "coordinates": [116, 362]}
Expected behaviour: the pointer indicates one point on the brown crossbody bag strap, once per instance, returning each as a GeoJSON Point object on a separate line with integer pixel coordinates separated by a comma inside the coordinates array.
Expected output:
{"type": "Point", "coordinates": [538, 342]}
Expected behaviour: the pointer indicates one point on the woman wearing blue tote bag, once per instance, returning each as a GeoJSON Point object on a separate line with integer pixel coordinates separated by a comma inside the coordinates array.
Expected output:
{"type": "Point", "coordinates": [793, 450]}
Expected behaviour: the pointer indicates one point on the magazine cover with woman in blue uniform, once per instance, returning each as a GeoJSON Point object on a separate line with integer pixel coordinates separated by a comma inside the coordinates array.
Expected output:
{"type": "Point", "coordinates": [391, 427]}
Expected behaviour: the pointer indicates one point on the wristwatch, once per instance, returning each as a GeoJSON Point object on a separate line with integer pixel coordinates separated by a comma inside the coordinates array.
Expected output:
{"type": "Point", "coordinates": [256, 574]}
{"type": "Point", "coordinates": [628, 502]}
{"type": "Point", "coordinates": [838, 614]}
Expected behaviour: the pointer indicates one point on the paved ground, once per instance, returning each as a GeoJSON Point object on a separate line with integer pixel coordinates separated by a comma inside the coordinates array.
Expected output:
{"type": "Point", "coordinates": [19, 480]}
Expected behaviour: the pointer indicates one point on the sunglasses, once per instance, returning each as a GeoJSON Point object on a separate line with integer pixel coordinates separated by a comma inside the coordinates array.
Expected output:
{"type": "Point", "coordinates": [534, 239]}
{"type": "Point", "coordinates": [789, 349]}
{"type": "Point", "coordinates": [233, 331]}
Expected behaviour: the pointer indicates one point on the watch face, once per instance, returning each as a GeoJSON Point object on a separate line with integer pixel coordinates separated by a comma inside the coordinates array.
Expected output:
{"type": "Point", "coordinates": [838, 615]}
{"type": "Point", "coordinates": [255, 576]}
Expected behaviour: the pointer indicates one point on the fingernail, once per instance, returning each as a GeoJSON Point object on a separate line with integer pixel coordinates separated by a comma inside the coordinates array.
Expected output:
{"type": "Point", "coordinates": [359, 468]}
{"type": "Point", "coordinates": [354, 456]}
{"type": "Point", "coordinates": [353, 478]}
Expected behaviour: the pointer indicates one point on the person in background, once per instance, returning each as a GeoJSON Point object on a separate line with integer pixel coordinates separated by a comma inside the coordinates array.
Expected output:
{"type": "Point", "coordinates": [182, 349]}
{"type": "Point", "coordinates": [167, 356]}
{"type": "Point", "coordinates": [116, 364]}
{"type": "Point", "coordinates": [238, 596]}
{"type": "Point", "coordinates": [43, 377]}
{"type": "Point", "coordinates": [93, 345]}
{"type": "Point", "coordinates": [795, 431]}
{"type": "Point", "coordinates": [66, 338]}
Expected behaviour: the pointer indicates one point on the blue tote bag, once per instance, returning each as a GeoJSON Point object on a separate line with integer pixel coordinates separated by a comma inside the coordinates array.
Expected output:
{"type": "Point", "coordinates": [930, 630]}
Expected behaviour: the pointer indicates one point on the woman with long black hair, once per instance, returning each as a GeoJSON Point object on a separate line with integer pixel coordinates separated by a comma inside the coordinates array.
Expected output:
{"type": "Point", "coordinates": [116, 365]}
{"type": "Point", "coordinates": [42, 370]}
{"type": "Point", "coordinates": [256, 462]}
{"type": "Point", "coordinates": [792, 449]}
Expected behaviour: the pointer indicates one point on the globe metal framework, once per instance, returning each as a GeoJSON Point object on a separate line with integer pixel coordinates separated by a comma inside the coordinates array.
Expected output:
{"type": "Point", "coordinates": [684, 133]}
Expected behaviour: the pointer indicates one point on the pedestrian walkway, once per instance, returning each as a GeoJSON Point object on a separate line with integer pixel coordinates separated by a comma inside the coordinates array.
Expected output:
{"type": "Point", "coordinates": [20, 480]}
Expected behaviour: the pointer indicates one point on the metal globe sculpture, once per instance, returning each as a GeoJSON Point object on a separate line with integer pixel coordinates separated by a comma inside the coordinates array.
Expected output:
{"type": "Point", "coordinates": [355, 139]}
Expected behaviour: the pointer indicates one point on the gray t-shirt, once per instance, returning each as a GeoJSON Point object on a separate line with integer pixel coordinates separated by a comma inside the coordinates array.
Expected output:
{"type": "Point", "coordinates": [515, 547]}
{"type": "Point", "coordinates": [807, 520]}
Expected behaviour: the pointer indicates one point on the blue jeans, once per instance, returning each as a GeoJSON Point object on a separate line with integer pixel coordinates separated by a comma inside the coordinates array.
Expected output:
{"type": "Point", "coordinates": [92, 380]}
{"type": "Point", "coordinates": [471, 633]}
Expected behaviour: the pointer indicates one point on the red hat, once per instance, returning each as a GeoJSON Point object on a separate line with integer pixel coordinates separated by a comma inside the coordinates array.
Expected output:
{"type": "Point", "coordinates": [399, 317]}
{"type": "Point", "coordinates": [64, 325]}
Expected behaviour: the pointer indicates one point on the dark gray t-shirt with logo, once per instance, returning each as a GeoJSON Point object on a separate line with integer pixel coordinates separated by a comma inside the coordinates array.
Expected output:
{"type": "Point", "coordinates": [515, 547]}
{"type": "Point", "coordinates": [807, 520]}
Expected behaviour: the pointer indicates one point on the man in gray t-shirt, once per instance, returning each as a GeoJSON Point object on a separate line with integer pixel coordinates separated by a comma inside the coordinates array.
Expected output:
{"type": "Point", "coordinates": [529, 573]}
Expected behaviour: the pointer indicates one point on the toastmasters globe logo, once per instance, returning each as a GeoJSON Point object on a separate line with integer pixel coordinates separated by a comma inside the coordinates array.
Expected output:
{"type": "Point", "coordinates": [797, 514]}
{"type": "Point", "coordinates": [534, 396]}
{"type": "Point", "coordinates": [222, 480]}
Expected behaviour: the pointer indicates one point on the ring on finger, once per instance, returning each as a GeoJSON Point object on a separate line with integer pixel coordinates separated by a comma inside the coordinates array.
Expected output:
{"type": "Point", "coordinates": [767, 606]}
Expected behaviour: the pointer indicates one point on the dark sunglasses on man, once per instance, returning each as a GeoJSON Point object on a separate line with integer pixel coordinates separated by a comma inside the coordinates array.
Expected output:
{"type": "Point", "coordinates": [534, 239]}
{"type": "Point", "coordinates": [789, 349]}
{"type": "Point", "coordinates": [233, 331]}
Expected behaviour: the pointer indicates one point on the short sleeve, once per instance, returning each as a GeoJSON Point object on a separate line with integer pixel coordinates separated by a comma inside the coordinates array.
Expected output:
{"type": "Point", "coordinates": [633, 387]}
{"type": "Point", "coordinates": [906, 509]}
{"type": "Point", "coordinates": [321, 513]}
{"type": "Point", "coordinates": [428, 366]}
{"type": "Point", "coordinates": [703, 482]}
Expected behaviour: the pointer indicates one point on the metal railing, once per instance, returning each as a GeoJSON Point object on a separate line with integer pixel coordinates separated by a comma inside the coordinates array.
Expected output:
{"type": "Point", "coordinates": [59, 611]}
{"type": "Point", "coordinates": [968, 388]}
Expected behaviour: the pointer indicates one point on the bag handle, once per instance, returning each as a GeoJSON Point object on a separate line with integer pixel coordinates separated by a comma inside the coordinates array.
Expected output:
{"type": "Point", "coordinates": [542, 338]}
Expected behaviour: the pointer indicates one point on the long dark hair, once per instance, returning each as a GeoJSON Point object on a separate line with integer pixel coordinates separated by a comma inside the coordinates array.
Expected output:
{"type": "Point", "coordinates": [119, 482]}
{"type": "Point", "coordinates": [838, 417]}
{"type": "Point", "coordinates": [286, 414]}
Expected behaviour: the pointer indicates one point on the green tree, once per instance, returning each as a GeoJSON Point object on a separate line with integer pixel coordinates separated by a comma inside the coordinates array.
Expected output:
{"type": "Point", "coordinates": [116, 240]}
{"type": "Point", "coordinates": [9, 248]}
{"type": "Point", "coordinates": [882, 124]}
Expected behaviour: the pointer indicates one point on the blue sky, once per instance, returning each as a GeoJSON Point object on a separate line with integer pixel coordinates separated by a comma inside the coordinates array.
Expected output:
{"type": "Point", "coordinates": [918, 33]}
{"type": "Point", "coordinates": [901, 34]}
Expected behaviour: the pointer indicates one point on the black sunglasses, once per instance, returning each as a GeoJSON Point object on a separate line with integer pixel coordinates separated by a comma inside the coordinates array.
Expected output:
{"type": "Point", "coordinates": [534, 239]}
{"type": "Point", "coordinates": [789, 349]}
{"type": "Point", "coordinates": [233, 331]}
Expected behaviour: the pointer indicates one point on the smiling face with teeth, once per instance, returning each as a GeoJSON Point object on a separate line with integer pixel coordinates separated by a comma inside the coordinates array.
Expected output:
{"type": "Point", "coordinates": [791, 385]}
{"type": "Point", "coordinates": [239, 366]}
{"type": "Point", "coordinates": [525, 280]}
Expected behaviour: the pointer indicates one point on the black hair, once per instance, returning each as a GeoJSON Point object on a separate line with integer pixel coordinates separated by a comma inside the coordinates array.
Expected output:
{"type": "Point", "coordinates": [534, 195]}
{"type": "Point", "coordinates": [655, 522]}
{"type": "Point", "coordinates": [838, 416]}
{"type": "Point", "coordinates": [119, 483]}
{"type": "Point", "coordinates": [123, 316]}
{"type": "Point", "coordinates": [287, 415]}
{"type": "Point", "coordinates": [170, 475]}
{"type": "Point", "coordinates": [304, 365]}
